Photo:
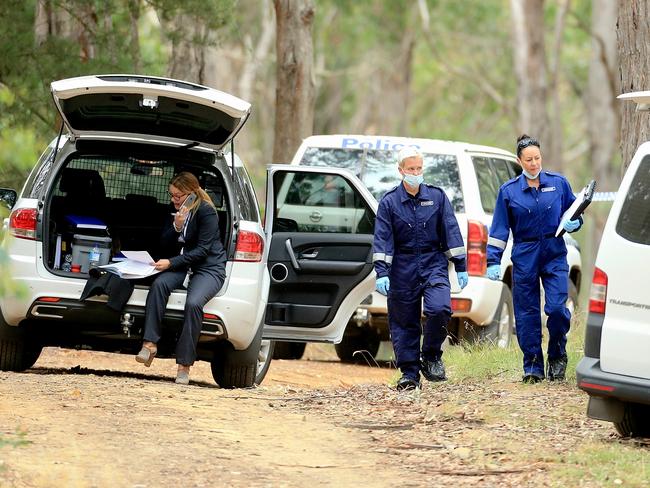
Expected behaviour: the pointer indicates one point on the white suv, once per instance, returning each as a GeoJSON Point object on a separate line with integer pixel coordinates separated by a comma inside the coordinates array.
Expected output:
{"type": "Point", "coordinates": [105, 184]}
{"type": "Point", "coordinates": [615, 370]}
{"type": "Point", "coordinates": [470, 176]}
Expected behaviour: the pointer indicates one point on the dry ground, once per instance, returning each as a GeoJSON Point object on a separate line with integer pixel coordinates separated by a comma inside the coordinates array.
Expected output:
{"type": "Point", "coordinates": [88, 419]}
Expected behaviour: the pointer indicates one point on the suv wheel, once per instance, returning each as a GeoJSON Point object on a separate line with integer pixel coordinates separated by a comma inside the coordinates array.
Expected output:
{"type": "Point", "coordinates": [241, 369]}
{"type": "Point", "coordinates": [289, 350]}
{"type": "Point", "coordinates": [365, 341]}
{"type": "Point", "coordinates": [17, 352]}
{"type": "Point", "coordinates": [636, 421]}
{"type": "Point", "coordinates": [498, 332]}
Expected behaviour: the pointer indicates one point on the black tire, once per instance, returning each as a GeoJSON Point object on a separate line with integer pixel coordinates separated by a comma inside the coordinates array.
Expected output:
{"type": "Point", "coordinates": [499, 332]}
{"type": "Point", "coordinates": [289, 350]}
{"type": "Point", "coordinates": [572, 300]}
{"type": "Point", "coordinates": [365, 341]}
{"type": "Point", "coordinates": [240, 369]}
{"type": "Point", "coordinates": [17, 351]}
{"type": "Point", "coordinates": [636, 421]}
{"type": "Point", "coordinates": [264, 360]}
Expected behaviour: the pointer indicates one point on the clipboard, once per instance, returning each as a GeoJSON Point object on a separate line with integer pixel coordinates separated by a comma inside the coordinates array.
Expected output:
{"type": "Point", "coordinates": [578, 207]}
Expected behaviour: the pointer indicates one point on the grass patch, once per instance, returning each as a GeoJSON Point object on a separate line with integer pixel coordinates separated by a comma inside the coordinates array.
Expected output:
{"type": "Point", "coordinates": [19, 440]}
{"type": "Point", "coordinates": [606, 464]}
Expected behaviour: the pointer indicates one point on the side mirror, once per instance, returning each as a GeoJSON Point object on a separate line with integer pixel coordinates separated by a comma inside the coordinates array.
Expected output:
{"type": "Point", "coordinates": [8, 197]}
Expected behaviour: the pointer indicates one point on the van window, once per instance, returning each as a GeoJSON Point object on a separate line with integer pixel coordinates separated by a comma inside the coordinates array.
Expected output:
{"type": "Point", "coordinates": [377, 169]}
{"type": "Point", "coordinates": [502, 170]}
{"type": "Point", "coordinates": [488, 183]}
{"type": "Point", "coordinates": [634, 220]}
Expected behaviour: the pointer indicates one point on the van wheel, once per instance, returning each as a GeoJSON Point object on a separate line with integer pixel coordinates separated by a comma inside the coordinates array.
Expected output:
{"type": "Point", "coordinates": [498, 332]}
{"type": "Point", "coordinates": [365, 342]}
{"type": "Point", "coordinates": [17, 352]}
{"type": "Point", "coordinates": [636, 421]}
{"type": "Point", "coordinates": [289, 350]}
{"type": "Point", "coordinates": [241, 369]}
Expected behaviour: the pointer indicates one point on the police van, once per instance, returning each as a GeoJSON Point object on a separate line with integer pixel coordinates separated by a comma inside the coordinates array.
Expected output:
{"type": "Point", "coordinates": [615, 369]}
{"type": "Point", "coordinates": [470, 175]}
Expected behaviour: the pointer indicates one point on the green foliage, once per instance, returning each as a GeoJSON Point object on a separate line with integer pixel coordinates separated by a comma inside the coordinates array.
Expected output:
{"type": "Point", "coordinates": [19, 440]}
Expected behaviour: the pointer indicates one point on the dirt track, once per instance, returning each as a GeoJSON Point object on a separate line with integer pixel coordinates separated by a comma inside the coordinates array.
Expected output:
{"type": "Point", "coordinates": [101, 420]}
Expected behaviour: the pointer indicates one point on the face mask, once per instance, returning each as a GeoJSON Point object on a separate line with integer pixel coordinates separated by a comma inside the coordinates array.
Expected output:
{"type": "Point", "coordinates": [529, 176]}
{"type": "Point", "coordinates": [413, 180]}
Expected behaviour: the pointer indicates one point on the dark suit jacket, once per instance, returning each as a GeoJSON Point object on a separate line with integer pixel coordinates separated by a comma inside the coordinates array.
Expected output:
{"type": "Point", "coordinates": [202, 249]}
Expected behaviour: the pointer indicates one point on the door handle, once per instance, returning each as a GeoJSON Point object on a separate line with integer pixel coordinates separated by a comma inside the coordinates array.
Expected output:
{"type": "Point", "coordinates": [292, 256]}
{"type": "Point", "coordinates": [310, 254]}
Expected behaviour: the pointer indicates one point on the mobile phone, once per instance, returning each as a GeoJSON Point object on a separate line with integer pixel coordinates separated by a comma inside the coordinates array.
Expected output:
{"type": "Point", "coordinates": [191, 198]}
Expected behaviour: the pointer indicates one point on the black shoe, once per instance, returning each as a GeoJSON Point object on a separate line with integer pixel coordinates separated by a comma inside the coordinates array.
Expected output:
{"type": "Point", "coordinates": [406, 383]}
{"type": "Point", "coordinates": [531, 378]}
{"type": "Point", "coordinates": [556, 368]}
{"type": "Point", "coordinates": [433, 370]}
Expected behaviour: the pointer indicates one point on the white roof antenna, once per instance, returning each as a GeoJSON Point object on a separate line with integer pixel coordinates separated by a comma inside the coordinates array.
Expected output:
{"type": "Point", "coordinates": [641, 98]}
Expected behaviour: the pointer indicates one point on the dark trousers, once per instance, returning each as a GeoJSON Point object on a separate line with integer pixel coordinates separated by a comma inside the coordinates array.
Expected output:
{"type": "Point", "coordinates": [404, 320]}
{"type": "Point", "coordinates": [203, 286]}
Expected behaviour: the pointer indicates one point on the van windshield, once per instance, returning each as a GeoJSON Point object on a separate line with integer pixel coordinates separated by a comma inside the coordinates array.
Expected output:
{"type": "Point", "coordinates": [377, 169]}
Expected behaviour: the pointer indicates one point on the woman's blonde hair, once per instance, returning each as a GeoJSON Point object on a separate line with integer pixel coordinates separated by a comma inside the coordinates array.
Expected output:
{"type": "Point", "coordinates": [187, 183]}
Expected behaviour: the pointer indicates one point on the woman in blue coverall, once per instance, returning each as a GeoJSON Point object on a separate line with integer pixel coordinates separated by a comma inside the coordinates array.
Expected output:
{"type": "Point", "coordinates": [416, 235]}
{"type": "Point", "coordinates": [531, 206]}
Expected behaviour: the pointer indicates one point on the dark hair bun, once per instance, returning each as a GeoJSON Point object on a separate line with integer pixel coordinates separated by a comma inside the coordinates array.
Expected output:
{"type": "Point", "coordinates": [523, 136]}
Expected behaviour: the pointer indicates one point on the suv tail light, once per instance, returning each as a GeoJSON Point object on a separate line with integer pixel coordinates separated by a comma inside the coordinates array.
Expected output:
{"type": "Point", "coordinates": [598, 293]}
{"type": "Point", "coordinates": [22, 223]}
{"type": "Point", "coordinates": [250, 246]}
{"type": "Point", "coordinates": [476, 248]}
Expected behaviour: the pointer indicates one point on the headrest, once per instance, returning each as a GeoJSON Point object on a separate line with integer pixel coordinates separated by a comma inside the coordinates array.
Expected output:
{"type": "Point", "coordinates": [87, 182]}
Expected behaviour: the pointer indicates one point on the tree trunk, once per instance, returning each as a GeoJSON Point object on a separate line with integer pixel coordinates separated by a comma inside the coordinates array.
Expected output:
{"type": "Point", "coordinates": [189, 45]}
{"type": "Point", "coordinates": [634, 53]}
{"type": "Point", "coordinates": [294, 93]}
{"type": "Point", "coordinates": [530, 70]}
{"type": "Point", "coordinates": [602, 88]}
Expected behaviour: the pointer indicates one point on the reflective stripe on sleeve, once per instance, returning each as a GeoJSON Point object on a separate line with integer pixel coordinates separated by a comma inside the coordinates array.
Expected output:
{"type": "Point", "coordinates": [493, 241]}
{"type": "Point", "coordinates": [380, 256]}
{"type": "Point", "coordinates": [454, 252]}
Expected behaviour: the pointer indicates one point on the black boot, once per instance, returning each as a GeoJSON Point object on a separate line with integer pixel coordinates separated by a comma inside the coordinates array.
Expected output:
{"type": "Point", "coordinates": [531, 378]}
{"type": "Point", "coordinates": [433, 369]}
{"type": "Point", "coordinates": [406, 383]}
{"type": "Point", "coordinates": [556, 368]}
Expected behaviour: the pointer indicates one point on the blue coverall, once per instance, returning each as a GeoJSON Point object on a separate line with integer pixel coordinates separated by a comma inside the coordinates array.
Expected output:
{"type": "Point", "coordinates": [533, 216]}
{"type": "Point", "coordinates": [415, 237]}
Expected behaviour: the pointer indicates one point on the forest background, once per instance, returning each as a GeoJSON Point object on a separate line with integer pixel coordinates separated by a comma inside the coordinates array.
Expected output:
{"type": "Point", "coordinates": [480, 71]}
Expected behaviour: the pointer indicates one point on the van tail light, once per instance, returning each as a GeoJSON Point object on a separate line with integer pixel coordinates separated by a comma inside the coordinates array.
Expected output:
{"type": "Point", "coordinates": [476, 248]}
{"type": "Point", "coordinates": [598, 293]}
{"type": "Point", "coordinates": [22, 223]}
{"type": "Point", "coordinates": [250, 246]}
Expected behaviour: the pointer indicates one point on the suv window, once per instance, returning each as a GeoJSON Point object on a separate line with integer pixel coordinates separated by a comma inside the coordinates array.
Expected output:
{"type": "Point", "coordinates": [377, 169]}
{"type": "Point", "coordinates": [315, 202]}
{"type": "Point", "coordinates": [502, 169]}
{"type": "Point", "coordinates": [634, 220]}
{"type": "Point", "coordinates": [246, 196]}
{"type": "Point", "coordinates": [488, 182]}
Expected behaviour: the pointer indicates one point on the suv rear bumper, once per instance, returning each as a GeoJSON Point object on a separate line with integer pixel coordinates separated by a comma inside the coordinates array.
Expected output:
{"type": "Point", "coordinates": [483, 293]}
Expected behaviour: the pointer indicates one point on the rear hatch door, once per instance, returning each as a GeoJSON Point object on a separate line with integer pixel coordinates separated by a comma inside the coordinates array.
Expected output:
{"type": "Point", "coordinates": [149, 108]}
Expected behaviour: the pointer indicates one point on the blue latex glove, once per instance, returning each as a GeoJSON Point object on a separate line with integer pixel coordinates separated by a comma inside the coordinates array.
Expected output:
{"type": "Point", "coordinates": [571, 225]}
{"type": "Point", "coordinates": [463, 278]}
{"type": "Point", "coordinates": [494, 272]}
{"type": "Point", "coordinates": [383, 285]}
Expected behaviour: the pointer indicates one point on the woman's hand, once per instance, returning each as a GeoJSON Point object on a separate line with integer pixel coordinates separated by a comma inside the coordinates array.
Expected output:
{"type": "Point", "coordinates": [179, 219]}
{"type": "Point", "coordinates": [162, 264]}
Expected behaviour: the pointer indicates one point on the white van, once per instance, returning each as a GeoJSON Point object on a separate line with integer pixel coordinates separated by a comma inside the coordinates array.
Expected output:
{"type": "Point", "coordinates": [615, 369]}
{"type": "Point", "coordinates": [470, 175]}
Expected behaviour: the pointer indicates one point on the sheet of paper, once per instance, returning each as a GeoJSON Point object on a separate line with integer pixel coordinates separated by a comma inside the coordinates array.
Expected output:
{"type": "Point", "coordinates": [139, 256]}
{"type": "Point", "coordinates": [129, 269]}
